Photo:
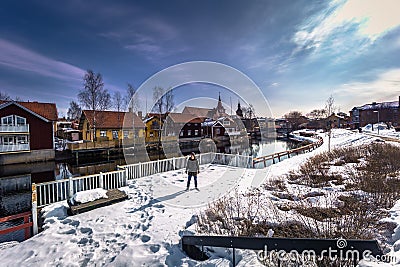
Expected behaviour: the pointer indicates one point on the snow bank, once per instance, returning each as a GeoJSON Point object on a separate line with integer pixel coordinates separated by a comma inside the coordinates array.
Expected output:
{"type": "Point", "coordinates": [383, 130]}
{"type": "Point", "coordinates": [89, 195]}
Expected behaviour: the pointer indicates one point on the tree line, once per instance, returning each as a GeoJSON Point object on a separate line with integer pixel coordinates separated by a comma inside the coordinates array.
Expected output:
{"type": "Point", "coordinates": [95, 97]}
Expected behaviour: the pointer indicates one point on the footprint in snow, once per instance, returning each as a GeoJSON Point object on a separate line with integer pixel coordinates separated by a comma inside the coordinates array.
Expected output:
{"type": "Point", "coordinates": [155, 248]}
{"type": "Point", "coordinates": [69, 232]}
{"type": "Point", "coordinates": [145, 238]}
{"type": "Point", "coordinates": [86, 230]}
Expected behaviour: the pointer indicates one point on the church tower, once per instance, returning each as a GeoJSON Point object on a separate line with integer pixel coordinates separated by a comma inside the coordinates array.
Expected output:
{"type": "Point", "coordinates": [239, 111]}
{"type": "Point", "coordinates": [220, 108]}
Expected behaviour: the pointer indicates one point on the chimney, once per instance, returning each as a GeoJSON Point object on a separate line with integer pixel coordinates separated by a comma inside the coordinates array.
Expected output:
{"type": "Point", "coordinates": [140, 114]}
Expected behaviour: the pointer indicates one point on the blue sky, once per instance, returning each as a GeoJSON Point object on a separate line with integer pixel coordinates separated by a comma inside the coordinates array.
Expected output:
{"type": "Point", "coordinates": [297, 52]}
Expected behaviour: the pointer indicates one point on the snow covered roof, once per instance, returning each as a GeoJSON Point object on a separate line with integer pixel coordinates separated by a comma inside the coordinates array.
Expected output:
{"type": "Point", "coordinates": [383, 105]}
{"type": "Point", "coordinates": [148, 119]}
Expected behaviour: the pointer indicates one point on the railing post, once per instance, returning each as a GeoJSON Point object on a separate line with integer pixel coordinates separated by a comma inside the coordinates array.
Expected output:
{"type": "Point", "coordinates": [140, 170]}
{"type": "Point", "coordinates": [34, 210]}
{"type": "Point", "coordinates": [101, 181]}
{"type": "Point", "coordinates": [173, 163]}
{"type": "Point", "coordinates": [158, 165]}
{"type": "Point", "coordinates": [126, 176]}
{"type": "Point", "coordinates": [200, 158]}
{"type": "Point", "coordinates": [71, 187]}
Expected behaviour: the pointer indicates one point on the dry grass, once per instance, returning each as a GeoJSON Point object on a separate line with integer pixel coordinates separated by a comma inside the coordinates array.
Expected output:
{"type": "Point", "coordinates": [372, 185]}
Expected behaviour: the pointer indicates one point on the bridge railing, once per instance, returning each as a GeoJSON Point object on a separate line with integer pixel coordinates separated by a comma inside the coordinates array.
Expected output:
{"type": "Point", "coordinates": [277, 157]}
{"type": "Point", "coordinates": [143, 169]}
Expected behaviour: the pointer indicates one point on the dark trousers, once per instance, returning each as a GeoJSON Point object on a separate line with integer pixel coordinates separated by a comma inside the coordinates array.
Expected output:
{"type": "Point", "coordinates": [190, 174]}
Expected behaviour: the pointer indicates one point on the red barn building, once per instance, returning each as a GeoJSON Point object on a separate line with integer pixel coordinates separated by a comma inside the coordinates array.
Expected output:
{"type": "Point", "coordinates": [26, 131]}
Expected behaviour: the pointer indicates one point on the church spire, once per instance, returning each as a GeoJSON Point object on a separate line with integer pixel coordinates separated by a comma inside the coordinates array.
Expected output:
{"type": "Point", "coordinates": [220, 107]}
{"type": "Point", "coordinates": [239, 111]}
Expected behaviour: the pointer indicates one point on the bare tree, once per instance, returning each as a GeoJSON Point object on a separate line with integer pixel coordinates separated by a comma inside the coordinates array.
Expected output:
{"type": "Point", "coordinates": [74, 111]}
{"type": "Point", "coordinates": [118, 101]}
{"type": "Point", "coordinates": [294, 118]}
{"type": "Point", "coordinates": [132, 98]}
{"type": "Point", "coordinates": [158, 98]}
{"type": "Point", "coordinates": [330, 106]}
{"type": "Point", "coordinates": [4, 96]}
{"type": "Point", "coordinates": [94, 97]}
{"type": "Point", "coordinates": [169, 101]}
{"type": "Point", "coordinates": [330, 109]}
{"type": "Point", "coordinates": [317, 114]}
{"type": "Point", "coordinates": [248, 112]}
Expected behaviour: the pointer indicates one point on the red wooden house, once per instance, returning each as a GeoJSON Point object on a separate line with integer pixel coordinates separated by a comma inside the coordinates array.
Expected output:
{"type": "Point", "coordinates": [26, 131]}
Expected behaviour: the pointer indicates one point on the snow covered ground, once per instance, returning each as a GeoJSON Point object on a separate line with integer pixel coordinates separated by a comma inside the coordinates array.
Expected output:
{"type": "Point", "coordinates": [383, 131]}
{"type": "Point", "coordinates": [146, 229]}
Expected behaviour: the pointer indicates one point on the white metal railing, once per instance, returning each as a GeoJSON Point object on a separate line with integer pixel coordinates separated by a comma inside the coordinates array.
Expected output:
{"type": "Point", "coordinates": [54, 191]}
{"type": "Point", "coordinates": [14, 147]}
{"type": "Point", "coordinates": [138, 170]}
{"type": "Point", "coordinates": [14, 128]}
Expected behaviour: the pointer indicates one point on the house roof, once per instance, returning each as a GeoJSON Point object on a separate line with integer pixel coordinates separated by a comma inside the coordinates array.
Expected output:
{"type": "Point", "coordinates": [149, 119]}
{"type": "Point", "coordinates": [114, 119]}
{"type": "Point", "coordinates": [392, 104]}
{"type": "Point", "coordinates": [45, 110]}
{"type": "Point", "coordinates": [184, 118]}
{"type": "Point", "coordinates": [199, 112]}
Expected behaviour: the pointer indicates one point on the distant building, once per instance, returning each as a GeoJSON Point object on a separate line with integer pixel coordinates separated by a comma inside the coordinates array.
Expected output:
{"type": "Point", "coordinates": [239, 111]}
{"type": "Point", "coordinates": [27, 131]}
{"type": "Point", "coordinates": [205, 113]}
{"type": "Point", "coordinates": [186, 126]}
{"type": "Point", "coordinates": [109, 125]}
{"type": "Point", "coordinates": [153, 129]}
{"type": "Point", "coordinates": [388, 113]}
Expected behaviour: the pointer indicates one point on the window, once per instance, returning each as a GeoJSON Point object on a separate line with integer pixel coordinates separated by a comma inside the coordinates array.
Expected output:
{"type": "Point", "coordinates": [189, 132]}
{"type": "Point", "coordinates": [115, 134]}
{"type": "Point", "coordinates": [227, 122]}
{"type": "Point", "coordinates": [21, 120]}
{"type": "Point", "coordinates": [103, 133]}
{"type": "Point", "coordinates": [8, 140]}
{"type": "Point", "coordinates": [151, 134]}
{"type": "Point", "coordinates": [22, 139]}
{"type": "Point", "coordinates": [217, 130]}
{"type": "Point", "coordinates": [126, 134]}
{"type": "Point", "coordinates": [181, 133]}
{"type": "Point", "coordinates": [196, 132]}
{"type": "Point", "coordinates": [7, 120]}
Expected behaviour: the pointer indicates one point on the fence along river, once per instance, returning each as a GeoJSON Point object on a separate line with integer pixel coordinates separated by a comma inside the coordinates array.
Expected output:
{"type": "Point", "coordinates": [54, 191]}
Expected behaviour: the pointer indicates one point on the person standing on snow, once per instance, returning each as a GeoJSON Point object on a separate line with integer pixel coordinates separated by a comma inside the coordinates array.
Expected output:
{"type": "Point", "coordinates": [192, 169]}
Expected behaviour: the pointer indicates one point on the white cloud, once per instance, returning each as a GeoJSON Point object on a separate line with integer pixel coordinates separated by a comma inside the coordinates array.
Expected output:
{"type": "Point", "coordinates": [363, 18]}
{"type": "Point", "coordinates": [18, 57]}
{"type": "Point", "coordinates": [386, 87]}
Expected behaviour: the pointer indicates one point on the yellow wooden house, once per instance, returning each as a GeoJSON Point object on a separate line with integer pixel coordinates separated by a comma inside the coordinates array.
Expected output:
{"type": "Point", "coordinates": [110, 125]}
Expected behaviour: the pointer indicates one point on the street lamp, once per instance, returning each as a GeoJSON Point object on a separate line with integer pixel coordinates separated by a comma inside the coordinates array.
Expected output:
{"type": "Point", "coordinates": [377, 111]}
